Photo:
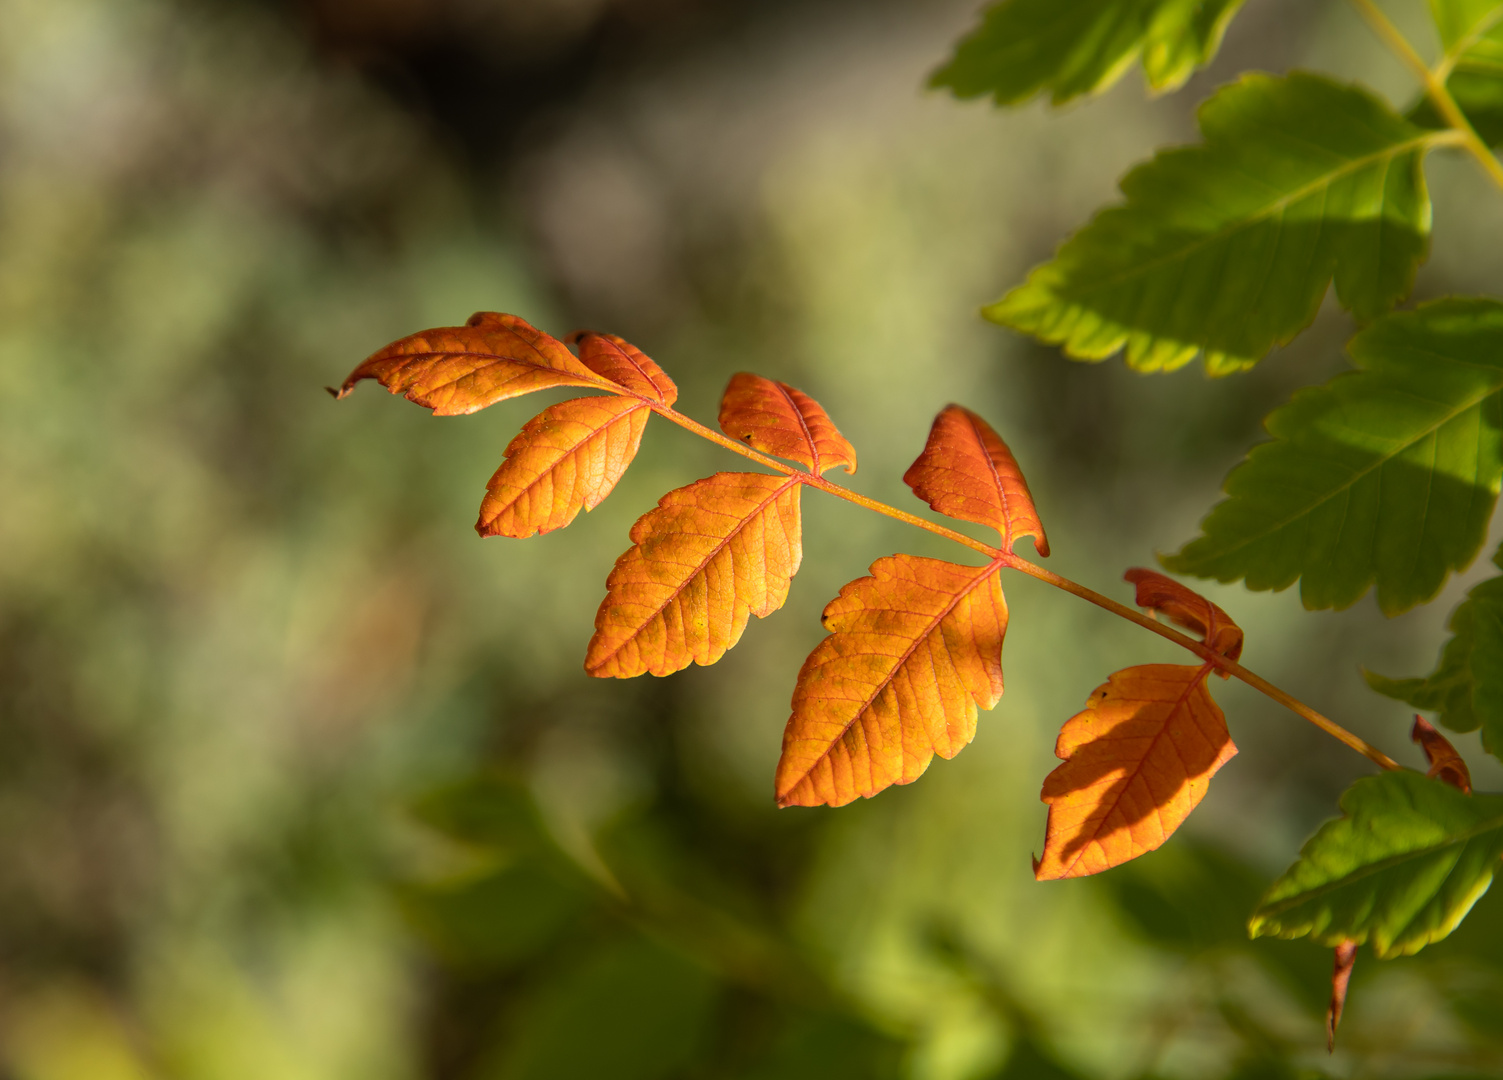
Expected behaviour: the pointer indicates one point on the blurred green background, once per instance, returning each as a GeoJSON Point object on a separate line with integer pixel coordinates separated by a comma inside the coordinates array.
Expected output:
{"type": "Point", "coordinates": [300, 779]}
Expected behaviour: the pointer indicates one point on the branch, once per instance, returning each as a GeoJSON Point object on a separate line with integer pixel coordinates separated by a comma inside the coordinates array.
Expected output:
{"type": "Point", "coordinates": [1199, 648]}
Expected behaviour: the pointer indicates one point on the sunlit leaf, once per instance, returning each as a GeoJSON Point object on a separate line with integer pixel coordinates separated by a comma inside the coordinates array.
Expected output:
{"type": "Point", "coordinates": [966, 471]}
{"type": "Point", "coordinates": [1227, 248]}
{"type": "Point", "coordinates": [1386, 475]}
{"type": "Point", "coordinates": [1400, 870]}
{"type": "Point", "coordinates": [625, 365]}
{"type": "Point", "coordinates": [913, 650]}
{"type": "Point", "coordinates": [460, 369]}
{"type": "Point", "coordinates": [706, 559]}
{"type": "Point", "coordinates": [1187, 608]}
{"type": "Point", "coordinates": [1074, 47]}
{"type": "Point", "coordinates": [1136, 762]}
{"type": "Point", "coordinates": [566, 459]}
{"type": "Point", "coordinates": [570, 456]}
{"type": "Point", "coordinates": [1446, 765]}
{"type": "Point", "coordinates": [777, 419]}
{"type": "Point", "coordinates": [1341, 978]}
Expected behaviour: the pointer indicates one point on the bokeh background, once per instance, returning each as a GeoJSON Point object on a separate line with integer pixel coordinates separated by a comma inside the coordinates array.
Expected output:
{"type": "Point", "coordinates": [300, 779]}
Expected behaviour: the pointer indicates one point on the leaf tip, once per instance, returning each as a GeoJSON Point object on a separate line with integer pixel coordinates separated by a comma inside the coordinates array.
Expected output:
{"type": "Point", "coordinates": [1341, 977]}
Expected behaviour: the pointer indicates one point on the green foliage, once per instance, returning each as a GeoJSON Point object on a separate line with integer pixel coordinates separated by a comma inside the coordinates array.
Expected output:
{"type": "Point", "coordinates": [1227, 248]}
{"type": "Point", "coordinates": [1400, 870]}
{"type": "Point", "coordinates": [1385, 476]}
{"type": "Point", "coordinates": [1075, 47]}
{"type": "Point", "coordinates": [1466, 687]}
{"type": "Point", "coordinates": [635, 968]}
{"type": "Point", "coordinates": [1471, 32]}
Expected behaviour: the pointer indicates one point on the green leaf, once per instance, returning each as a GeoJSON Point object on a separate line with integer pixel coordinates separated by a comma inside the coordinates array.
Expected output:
{"type": "Point", "coordinates": [1227, 248]}
{"type": "Point", "coordinates": [1075, 47]}
{"type": "Point", "coordinates": [1466, 687]}
{"type": "Point", "coordinates": [1400, 870]}
{"type": "Point", "coordinates": [1386, 475]}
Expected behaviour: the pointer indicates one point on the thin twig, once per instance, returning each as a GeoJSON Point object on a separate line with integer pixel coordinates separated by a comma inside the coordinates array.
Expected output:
{"type": "Point", "coordinates": [1016, 562]}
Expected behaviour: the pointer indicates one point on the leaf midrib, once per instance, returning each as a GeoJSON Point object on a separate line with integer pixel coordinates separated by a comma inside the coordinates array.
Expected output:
{"type": "Point", "coordinates": [590, 378]}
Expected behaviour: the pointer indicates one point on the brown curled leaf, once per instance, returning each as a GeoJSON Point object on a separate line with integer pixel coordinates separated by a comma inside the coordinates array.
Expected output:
{"type": "Point", "coordinates": [966, 471]}
{"type": "Point", "coordinates": [455, 370]}
{"type": "Point", "coordinates": [1341, 977]}
{"type": "Point", "coordinates": [566, 459]}
{"type": "Point", "coordinates": [706, 559]}
{"type": "Point", "coordinates": [625, 365]}
{"type": "Point", "coordinates": [1136, 762]}
{"type": "Point", "coordinates": [1445, 763]}
{"type": "Point", "coordinates": [914, 649]}
{"type": "Point", "coordinates": [777, 419]}
{"type": "Point", "coordinates": [1187, 608]}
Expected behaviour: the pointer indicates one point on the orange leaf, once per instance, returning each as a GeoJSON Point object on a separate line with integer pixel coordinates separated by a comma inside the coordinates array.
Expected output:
{"type": "Point", "coordinates": [625, 365]}
{"type": "Point", "coordinates": [708, 557]}
{"type": "Point", "coordinates": [777, 419]}
{"type": "Point", "coordinates": [459, 369]}
{"type": "Point", "coordinates": [1341, 977]}
{"type": "Point", "coordinates": [915, 648]}
{"type": "Point", "coordinates": [1137, 761]}
{"type": "Point", "coordinates": [567, 458]}
{"type": "Point", "coordinates": [966, 471]}
{"type": "Point", "coordinates": [1189, 609]}
{"type": "Point", "coordinates": [1445, 763]}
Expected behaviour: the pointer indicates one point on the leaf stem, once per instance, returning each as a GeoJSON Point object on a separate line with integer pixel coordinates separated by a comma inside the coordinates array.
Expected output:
{"type": "Point", "coordinates": [1435, 86]}
{"type": "Point", "coordinates": [1205, 652]}
{"type": "Point", "coordinates": [1016, 562]}
{"type": "Point", "coordinates": [821, 483]}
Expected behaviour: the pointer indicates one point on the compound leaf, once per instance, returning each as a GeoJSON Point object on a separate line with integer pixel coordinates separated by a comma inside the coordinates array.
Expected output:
{"type": "Point", "coordinates": [1187, 608]}
{"type": "Point", "coordinates": [1227, 248]}
{"type": "Point", "coordinates": [777, 419]}
{"type": "Point", "coordinates": [1466, 687]}
{"type": "Point", "coordinates": [913, 650]}
{"type": "Point", "coordinates": [455, 370]}
{"type": "Point", "coordinates": [966, 471]}
{"type": "Point", "coordinates": [708, 557]}
{"type": "Point", "coordinates": [1471, 32]}
{"type": "Point", "coordinates": [1386, 475]}
{"type": "Point", "coordinates": [1400, 870]}
{"type": "Point", "coordinates": [1075, 47]}
{"type": "Point", "coordinates": [1136, 762]}
{"type": "Point", "coordinates": [567, 458]}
